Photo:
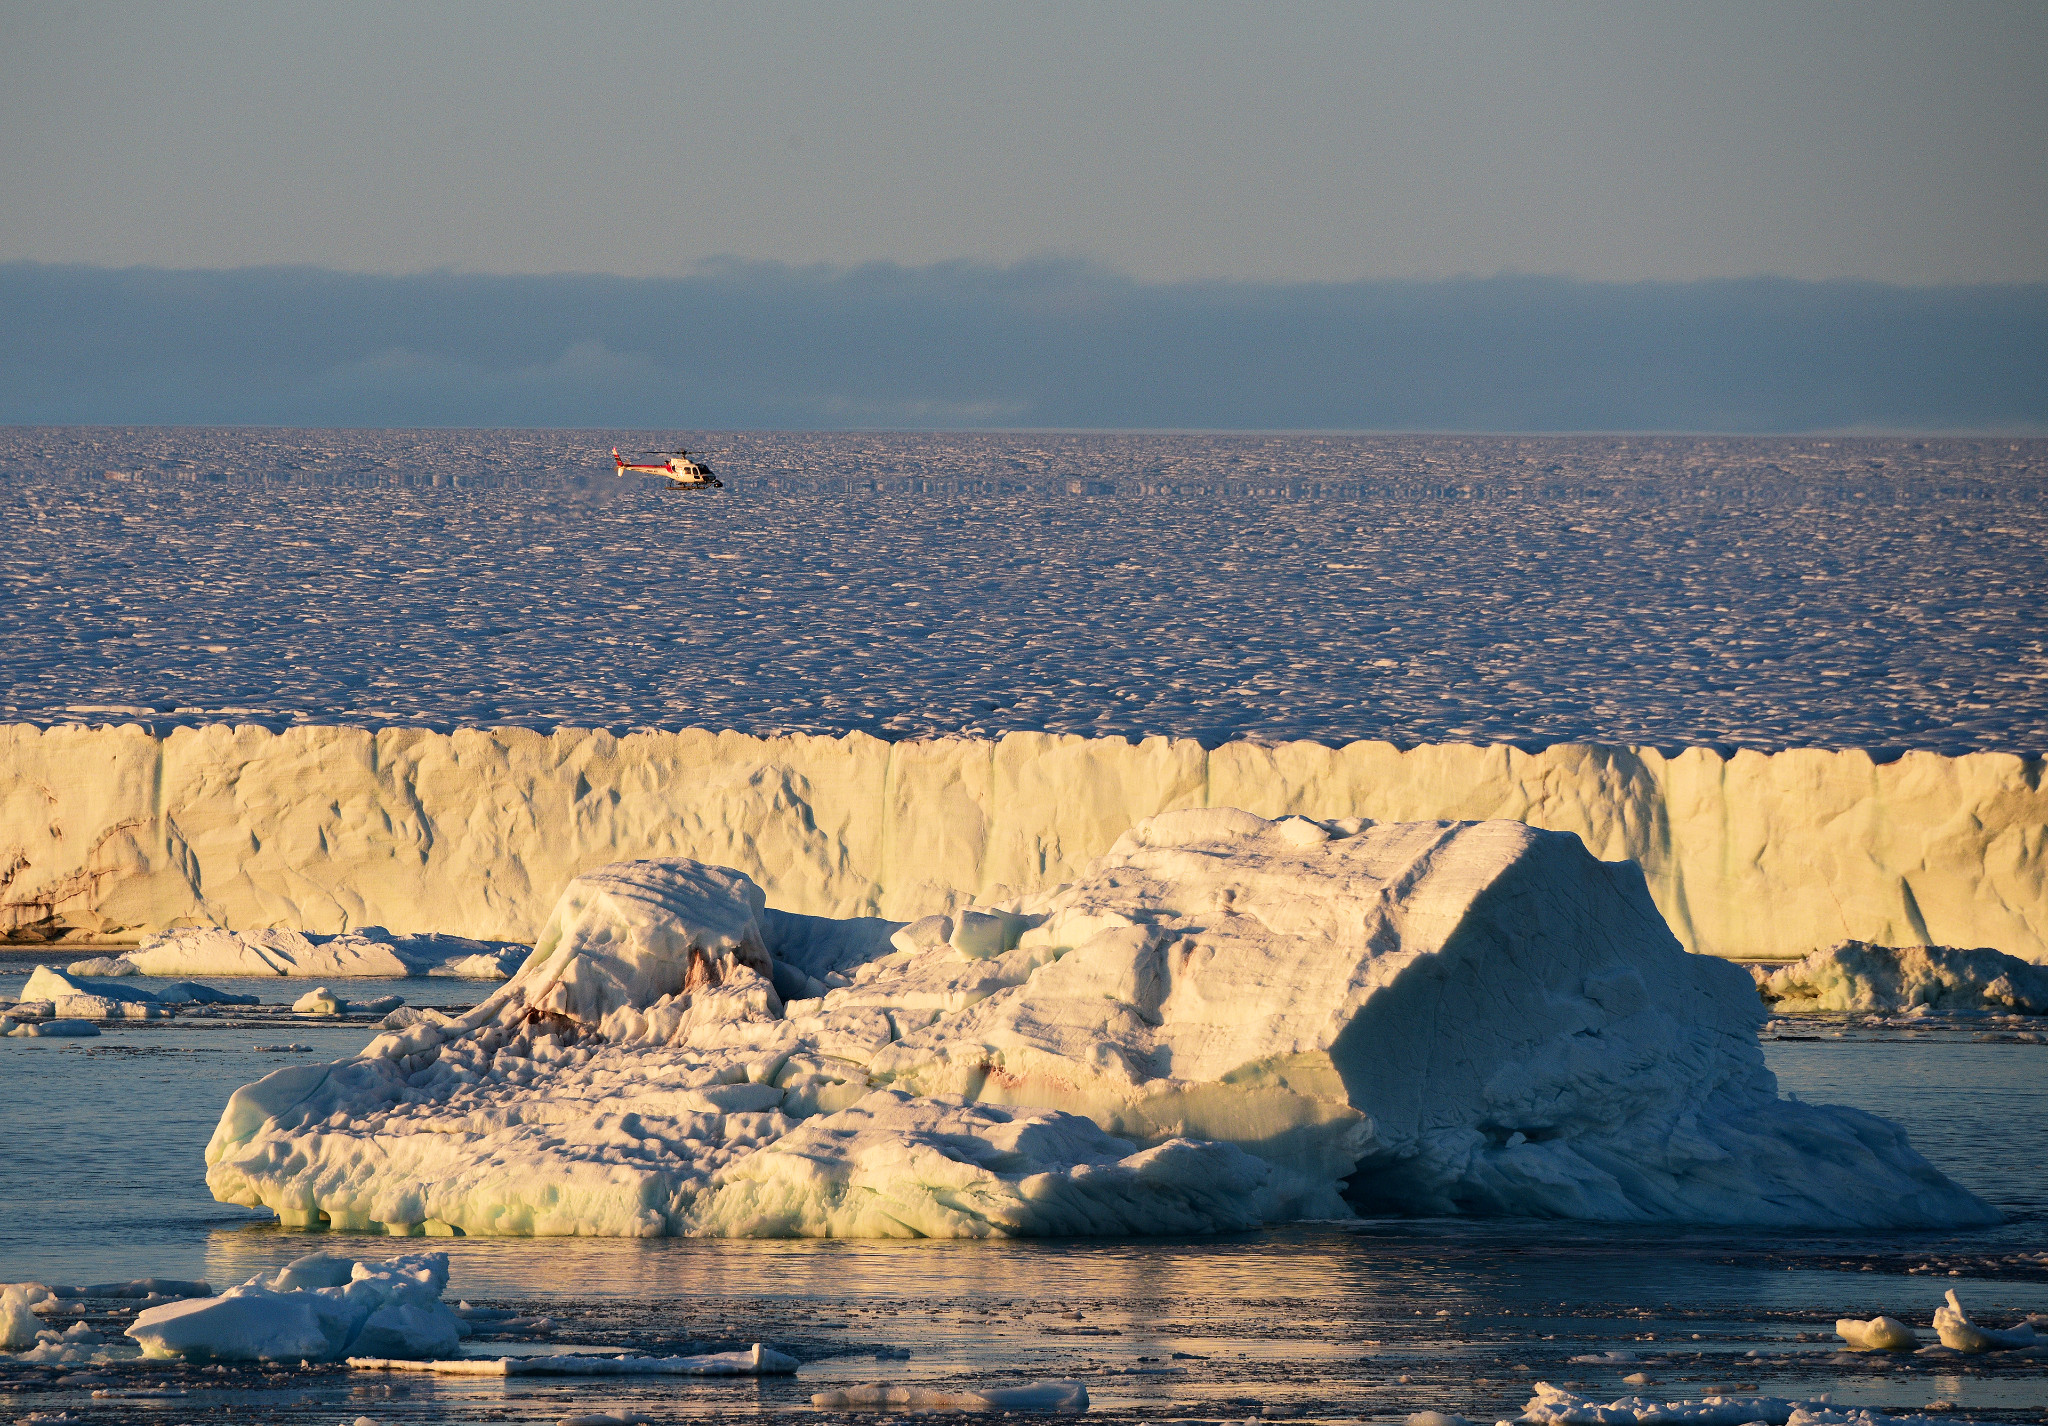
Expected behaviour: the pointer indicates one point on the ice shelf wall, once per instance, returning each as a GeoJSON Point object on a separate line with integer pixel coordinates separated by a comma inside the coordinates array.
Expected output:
{"type": "Point", "coordinates": [116, 830]}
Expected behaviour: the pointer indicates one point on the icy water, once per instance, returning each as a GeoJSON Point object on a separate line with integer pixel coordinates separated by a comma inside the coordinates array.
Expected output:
{"type": "Point", "coordinates": [1663, 591]}
{"type": "Point", "coordinates": [1375, 1318]}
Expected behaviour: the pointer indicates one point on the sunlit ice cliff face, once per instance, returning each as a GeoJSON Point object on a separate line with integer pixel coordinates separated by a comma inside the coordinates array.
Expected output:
{"type": "Point", "coordinates": [115, 832]}
{"type": "Point", "coordinates": [1222, 1021]}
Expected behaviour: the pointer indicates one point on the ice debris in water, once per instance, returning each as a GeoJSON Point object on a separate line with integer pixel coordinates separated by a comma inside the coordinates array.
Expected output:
{"type": "Point", "coordinates": [319, 1308]}
{"type": "Point", "coordinates": [757, 1360]}
{"type": "Point", "coordinates": [1552, 1406]}
{"type": "Point", "coordinates": [1038, 1396]}
{"type": "Point", "coordinates": [1879, 1334]}
{"type": "Point", "coordinates": [1219, 1024]}
{"type": "Point", "coordinates": [367, 951]}
{"type": "Point", "coordinates": [1960, 1334]}
{"type": "Point", "coordinates": [1859, 976]}
{"type": "Point", "coordinates": [18, 1322]}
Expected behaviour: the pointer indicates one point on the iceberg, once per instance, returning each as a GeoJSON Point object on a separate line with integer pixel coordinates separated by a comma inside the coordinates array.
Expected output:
{"type": "Point", "coordinates": [366, 952]}
{"type": "Point", "coordinates": [1859, 976]}
{"type": "Point", "coordinates": [319, 1308]}
{"type": "Point", "coordinates": [1224, 1021]}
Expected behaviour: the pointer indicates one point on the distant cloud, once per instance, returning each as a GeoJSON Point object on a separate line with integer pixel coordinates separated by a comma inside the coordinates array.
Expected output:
{"type": "Point", "coordinates": [1046, 343]}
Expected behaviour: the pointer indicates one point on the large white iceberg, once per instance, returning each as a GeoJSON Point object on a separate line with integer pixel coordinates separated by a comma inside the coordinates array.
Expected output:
{"type": "Point", "coordinates": [368, 951]}
{"type": "Point", "coordinates": [1224, 1021]}
{"type": "Point", "coordinates": [1857, 975]}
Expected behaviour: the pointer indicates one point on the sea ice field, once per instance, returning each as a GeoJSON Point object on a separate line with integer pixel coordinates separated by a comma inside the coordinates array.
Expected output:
{"type": "Point", "coordinates": [1833, 592]}
{"type": "Point", "coordinates": [1771, 593]}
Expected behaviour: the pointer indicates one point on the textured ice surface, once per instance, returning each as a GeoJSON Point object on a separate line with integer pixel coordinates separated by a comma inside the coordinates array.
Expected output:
{"type": "Point", "coordinates": [1217, 1025]}
{"type": "Point", "coordinates": [322, 1307]}
{"type": "Point", "coordinates": [368, 951]}
{"type": "Point", "coordinates": [1858, 976]}
{"type": "Point", "coordinates": [1659, 591]}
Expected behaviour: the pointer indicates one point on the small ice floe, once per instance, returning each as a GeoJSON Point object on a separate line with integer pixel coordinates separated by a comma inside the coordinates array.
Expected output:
{"type": "Point", "coordinates": [103, 965]}
{"type": "Point", "coordinates": [191, 992]}
{"type": "Point", "coordinates": [76, 1345]}
{"type": "Point", "coordinates": [319, 1001]}
{"type": "Point", "coordinates": [74, 998]}
{"type": "Point", "coordinates": [1879, 1334]}
{"type": "Point", "coordinates": [163, 1288]}
{"type": "Point", "coordinates": [757, 1360]}
{"type": "Point", "coordinates": [1605, 1359]}
{"type": "Point", "coordinates": [293, 1049]}
{"type": "Point", "coordinates": [52, 1029]}
{"type": "Point", "coordinates": [18, 1323]}
{"type": "Point", "coordinates": [1435, 1418]}
{"type": "Point", "coordinates": [1038, 1396]}
{"type": "Point", "coordinates": [1859, 976]}
{"type": "Point", "coordinates": [1959, 1334]}
{"type": "Point", "coordinates": [320, 1307]}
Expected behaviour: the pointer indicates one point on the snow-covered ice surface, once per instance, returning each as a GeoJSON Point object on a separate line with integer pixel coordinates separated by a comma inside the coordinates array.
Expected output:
{"type": "Point", "coordinates": [1224, 1022]}
{"type": "Point", "coordinates": [1661, 591]}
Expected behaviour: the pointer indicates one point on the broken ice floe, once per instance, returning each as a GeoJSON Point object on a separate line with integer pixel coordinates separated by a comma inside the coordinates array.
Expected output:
{"type": "Point", "coordinates": [1958, 1333]}
{"type": "Point", "coordinates": [1552, 1406]}
{"type": "Point", "coordinates": [1879, 1334]}
{"type": "Point", "coordinates": [79, 998]}
{"type": "Point", "coordinates": [1225, 1021]}
{"type": "Point", "coordinates": [1859, 976]}
{"type": "Point", "coordinates": [1037, 1396]}
{"type": "Point", "coordinates": [367, 952]}
{"type": "Point", "coordinates": [319, 1308]}
{"type": "Point", "coordinates": [48, 1029]}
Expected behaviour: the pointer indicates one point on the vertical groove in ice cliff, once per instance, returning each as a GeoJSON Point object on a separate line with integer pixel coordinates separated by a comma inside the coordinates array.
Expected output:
{"type": "Point", "coordinates": [471, 832]}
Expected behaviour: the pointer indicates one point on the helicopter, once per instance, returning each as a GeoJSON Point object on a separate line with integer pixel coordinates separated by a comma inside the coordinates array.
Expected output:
{"type": "Point", "coordinates": [681, 472]}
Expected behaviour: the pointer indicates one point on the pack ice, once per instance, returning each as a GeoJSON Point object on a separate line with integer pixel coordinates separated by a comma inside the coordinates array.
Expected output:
{"type": "Point", "coordinates": [1224, 1022]}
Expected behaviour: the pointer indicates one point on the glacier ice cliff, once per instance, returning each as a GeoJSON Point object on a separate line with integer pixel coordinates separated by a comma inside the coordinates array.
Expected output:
{"type": "Point", "coordinates": [322, 829]}
{"type": "Point", "coordinates": [1220, 1022]}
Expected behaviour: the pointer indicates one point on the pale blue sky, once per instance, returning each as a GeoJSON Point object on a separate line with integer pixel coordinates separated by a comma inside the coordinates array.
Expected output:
{"type": "Point", "coordinates": [1901, 143]}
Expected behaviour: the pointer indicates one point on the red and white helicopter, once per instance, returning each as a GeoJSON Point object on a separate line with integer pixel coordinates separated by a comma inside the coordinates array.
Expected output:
{"type": "Point", "coordinates": [681, 472]}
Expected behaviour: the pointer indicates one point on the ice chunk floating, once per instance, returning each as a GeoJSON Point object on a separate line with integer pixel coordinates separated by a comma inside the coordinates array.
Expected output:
{"type": "Point", "coordinates": [1224, 1022]}
{"type": "Point", "coordinates": [319, 1308]}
